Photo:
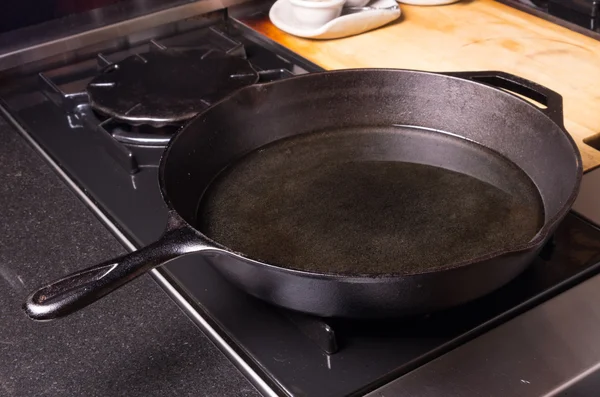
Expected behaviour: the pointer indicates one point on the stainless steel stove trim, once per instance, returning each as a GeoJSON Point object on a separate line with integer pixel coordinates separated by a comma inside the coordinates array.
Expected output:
{"type": "Point", "coordinates": [201, 322]}
{"type": "Point", "coordinates": [10, 58]}
{"type": "Point", "coordinates": [543, 352]}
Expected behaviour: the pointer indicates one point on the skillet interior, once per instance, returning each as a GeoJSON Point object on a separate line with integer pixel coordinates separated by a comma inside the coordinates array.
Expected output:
{"type": "Point", "coordinates": [371, 201]}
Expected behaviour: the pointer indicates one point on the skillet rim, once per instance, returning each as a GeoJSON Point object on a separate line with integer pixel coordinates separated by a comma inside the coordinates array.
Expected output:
{"type": "Point", "coordinates": [535, 243]}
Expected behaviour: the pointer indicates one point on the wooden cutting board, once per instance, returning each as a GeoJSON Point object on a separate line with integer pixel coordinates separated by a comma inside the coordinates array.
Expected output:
{"type": "Point", "coordinates": [473, 35]}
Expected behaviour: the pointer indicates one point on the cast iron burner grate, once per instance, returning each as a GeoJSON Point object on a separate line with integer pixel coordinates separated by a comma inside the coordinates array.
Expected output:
{"type": "Point", "coordinates": [167, 86]}
{"type": "Point", "coordinates": [152, 125]}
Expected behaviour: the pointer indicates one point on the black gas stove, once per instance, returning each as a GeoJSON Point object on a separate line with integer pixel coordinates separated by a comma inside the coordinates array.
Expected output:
{"type": "Point", "coordinates": [112, 165]}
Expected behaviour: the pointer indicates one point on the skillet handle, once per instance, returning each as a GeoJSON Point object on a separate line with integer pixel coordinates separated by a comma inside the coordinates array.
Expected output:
{"type": "Point", "coordinates": [543, 95]}
{"type": "Point", "coordinates": [84, 287]}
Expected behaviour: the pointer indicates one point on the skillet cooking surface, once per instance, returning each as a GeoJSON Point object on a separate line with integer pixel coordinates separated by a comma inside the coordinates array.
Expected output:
{"type": "Point", "coordinates": [370, 201]}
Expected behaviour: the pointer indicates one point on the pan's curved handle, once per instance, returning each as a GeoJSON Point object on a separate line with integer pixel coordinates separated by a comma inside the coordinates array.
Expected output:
{"type": "Point", "coordinates": [551, 99]}
{"type": "Point", "coordinates": [82, 288]}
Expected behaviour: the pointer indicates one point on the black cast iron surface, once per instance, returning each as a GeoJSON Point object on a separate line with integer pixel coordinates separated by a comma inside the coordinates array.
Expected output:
{"type": "Point", "coordinates": [279, 348]}
{"type": "Point", "coordinates": [331, 202]}
{"type": "Point", "coordinates": [116, 348]}
{"type": "Point", "coordinates": [167, 86]}
{"type": "Point", "coordinates": [264, 114]}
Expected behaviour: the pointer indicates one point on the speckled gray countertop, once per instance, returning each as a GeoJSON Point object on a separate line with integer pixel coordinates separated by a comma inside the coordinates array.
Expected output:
{"type": "Point", "coordinates": [136, 342]}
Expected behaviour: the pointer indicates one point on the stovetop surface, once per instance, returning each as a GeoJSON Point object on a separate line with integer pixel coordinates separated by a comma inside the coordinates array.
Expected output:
{"type": "Point", "coordinates": [294, 354]}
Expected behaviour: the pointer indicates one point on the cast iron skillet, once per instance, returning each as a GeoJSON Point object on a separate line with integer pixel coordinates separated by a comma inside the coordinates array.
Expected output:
{"type": "Point", "coordinates": [343, 166]}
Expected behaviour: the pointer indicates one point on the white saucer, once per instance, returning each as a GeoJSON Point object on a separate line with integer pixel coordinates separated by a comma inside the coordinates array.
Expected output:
{"type": "Point", "coordinates": [345, 25]}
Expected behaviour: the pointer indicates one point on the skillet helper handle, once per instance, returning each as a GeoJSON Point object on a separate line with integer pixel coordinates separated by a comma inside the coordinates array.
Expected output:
{"type": "Point", "coordinates": [550, 99]}
{"type": "Point", "coordinates": [82, 288]}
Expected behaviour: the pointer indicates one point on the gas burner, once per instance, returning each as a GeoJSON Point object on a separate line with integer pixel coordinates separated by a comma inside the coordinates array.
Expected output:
{"type": "Point", "coordinates": [134, 144]}
{"type": "Point", "coordinates": [139, 135]}
{"type": "Point", "coordinates": [167, 86]}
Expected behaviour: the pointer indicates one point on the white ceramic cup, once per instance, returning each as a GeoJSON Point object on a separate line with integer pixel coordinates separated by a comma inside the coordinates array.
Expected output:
{"type": "Point", "coordinates": [356, 3]}
{"type": "Point", "coordinates": [316, 13]}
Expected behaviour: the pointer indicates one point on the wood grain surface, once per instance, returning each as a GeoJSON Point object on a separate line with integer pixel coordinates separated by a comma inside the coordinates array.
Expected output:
{"type": "Point", "coordinates": [473, 35]}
